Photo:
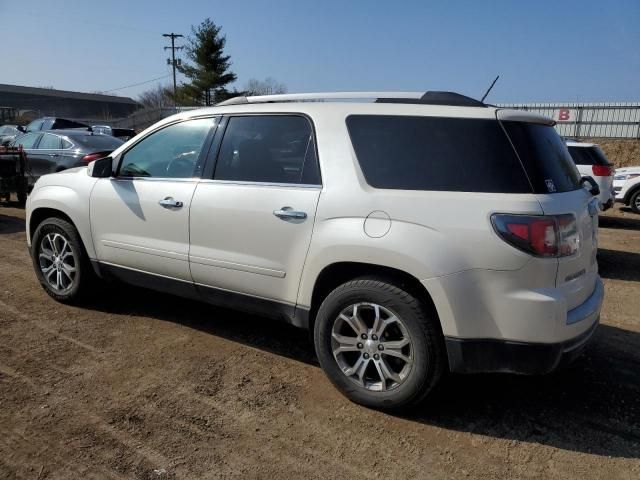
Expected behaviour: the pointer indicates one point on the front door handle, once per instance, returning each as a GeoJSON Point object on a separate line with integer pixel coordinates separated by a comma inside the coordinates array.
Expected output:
{"type": "Point", "coordinates": [169, 202]}
{"type": "Point", "coordinates": [288, 213]}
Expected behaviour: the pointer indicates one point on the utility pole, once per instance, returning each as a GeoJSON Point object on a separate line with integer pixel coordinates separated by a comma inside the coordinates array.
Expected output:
{"type": "Point", "coordinates": [172, 60]}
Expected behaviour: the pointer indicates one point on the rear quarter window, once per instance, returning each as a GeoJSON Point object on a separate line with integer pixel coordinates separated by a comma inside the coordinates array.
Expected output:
{"type": "Point", "coordinates": [436, 153]}
{"type": "Point", "coordinates": [97, 141]}
{"type": "Point", "coordinates": [588, 156]}
{"type": "Point", "coordinates": [544, 156]}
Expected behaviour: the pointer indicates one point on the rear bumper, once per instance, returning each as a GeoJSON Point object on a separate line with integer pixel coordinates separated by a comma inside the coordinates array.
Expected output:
{"type": "Point", "coordinates": [608, 204]}
{"type": "Point", "coordinates": [478, 356]}
{"type": "Point", "coordinates": [531, 358]}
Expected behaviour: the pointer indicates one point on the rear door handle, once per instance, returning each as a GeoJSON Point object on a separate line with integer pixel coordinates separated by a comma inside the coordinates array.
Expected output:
{"type": "Point", "coordinates": [169, 202]}
{"type": "Point", "coordinates": [287, 213]}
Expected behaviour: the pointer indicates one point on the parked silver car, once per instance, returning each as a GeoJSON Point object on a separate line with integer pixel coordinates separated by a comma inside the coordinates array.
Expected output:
{"type": "Point", "coordinates": [54, 151]}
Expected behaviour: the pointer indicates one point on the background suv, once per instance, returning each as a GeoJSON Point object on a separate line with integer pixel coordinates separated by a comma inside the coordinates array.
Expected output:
{"type": "Point", "coordinates": [626, 185]}
{"type": "Point", "coordinates": [591, 161]}
{"type": "Point", "coordinates": [52, 123]}
{"type": "Point", "coordinates": [418, 234]}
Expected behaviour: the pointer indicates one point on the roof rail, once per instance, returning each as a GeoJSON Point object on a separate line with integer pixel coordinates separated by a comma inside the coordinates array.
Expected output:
{"type": "Point", "coordinates": [428, 98]}
{"type": "Point", "coordinates": [301, 97]}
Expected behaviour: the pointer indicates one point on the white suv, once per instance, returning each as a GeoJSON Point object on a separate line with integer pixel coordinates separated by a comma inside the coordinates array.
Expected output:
{"type": "Point", "coordinates": [591, 161]}
{"type": "Point", "coordinates": [626, 185]}
{"type": "Point", "coordinates": [416, 234]}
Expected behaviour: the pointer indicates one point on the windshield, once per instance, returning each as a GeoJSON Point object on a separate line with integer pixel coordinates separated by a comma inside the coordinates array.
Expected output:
{"type": "Point", "coordinates": [544, 156]}
{"type": "Point", "coordinates": [35, 125]}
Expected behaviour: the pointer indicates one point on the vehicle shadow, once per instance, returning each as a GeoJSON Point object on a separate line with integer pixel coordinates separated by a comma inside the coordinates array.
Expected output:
{"type": "Point", "coordinates": [606, 221]}
{"type": "Point", "coordinates": [619, 265]}
{"type": "Point", "coordinates": [591, 406]}
{"type": "Point", "coordinates": [259, 332]}
{"type": "Point", "coordinates": [10, 224]}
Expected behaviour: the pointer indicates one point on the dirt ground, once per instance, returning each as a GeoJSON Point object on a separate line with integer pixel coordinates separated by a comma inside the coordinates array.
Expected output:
{"type": "Point", "coordinates": [143, 385]}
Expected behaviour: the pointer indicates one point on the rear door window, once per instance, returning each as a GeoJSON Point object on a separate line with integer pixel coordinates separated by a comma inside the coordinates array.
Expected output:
{"type": "Point", "coordinates": [49, 142]}
{"type": "Point", "coordinates": [436, 153]}
{"type": "Point", "coordinates": [269, 149]}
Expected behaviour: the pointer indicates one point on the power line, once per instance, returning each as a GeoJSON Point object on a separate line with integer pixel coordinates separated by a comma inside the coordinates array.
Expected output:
{"type": "Point", "coordinates": [173, 49]}
{"type": "Point", "coordinates": [137, 84]}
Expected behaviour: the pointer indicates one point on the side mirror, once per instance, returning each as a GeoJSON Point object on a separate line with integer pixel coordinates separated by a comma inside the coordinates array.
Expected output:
{"type": "Point", "coordinates": [595, 189]}
{"type": "Point", "coordinates": [101, 168]}
{"type": "Point", "coordinates": [22, 129]}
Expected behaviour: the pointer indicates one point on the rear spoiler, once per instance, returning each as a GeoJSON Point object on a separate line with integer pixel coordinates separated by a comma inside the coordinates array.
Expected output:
{"type": "Point", "coordinates": [511, 115]}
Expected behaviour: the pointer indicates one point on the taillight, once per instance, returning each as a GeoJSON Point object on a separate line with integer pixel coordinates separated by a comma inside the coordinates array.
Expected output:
{"type": "Point", "coordinates": [94, 156]}
{"type": "Point", "coordinates": [543, 236]}
{"type": "Point", "coordinates": [602, 170]}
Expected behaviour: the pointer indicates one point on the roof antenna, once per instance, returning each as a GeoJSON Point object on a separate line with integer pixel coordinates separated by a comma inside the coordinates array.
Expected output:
{"type": "Point", "coordinates": [489, 89]}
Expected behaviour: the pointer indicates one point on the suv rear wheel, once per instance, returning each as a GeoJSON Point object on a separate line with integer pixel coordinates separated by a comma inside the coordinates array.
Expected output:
{"type": "Point", "coordinates": [60, 261]}
{"type": "Point", "coordinates": [378, 344]}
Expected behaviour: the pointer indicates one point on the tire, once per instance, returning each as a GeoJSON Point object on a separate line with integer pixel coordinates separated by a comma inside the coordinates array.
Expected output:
{"type": "Point", "coordinates": [634, 201]}
{"type": "Point", "coordinates": [388, 381]}
{"type": "Point", "coordinates": [70, 265]}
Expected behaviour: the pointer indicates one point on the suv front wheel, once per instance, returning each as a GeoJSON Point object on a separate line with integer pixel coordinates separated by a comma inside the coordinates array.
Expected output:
{"type": "Point", "coordinates": [60, 261]}
{"type": "Point", "coordinates": [378, 344]}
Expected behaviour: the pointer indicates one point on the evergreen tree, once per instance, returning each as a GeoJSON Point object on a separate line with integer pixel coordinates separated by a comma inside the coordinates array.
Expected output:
{"type": "Point", "coordinates": [208, 70]}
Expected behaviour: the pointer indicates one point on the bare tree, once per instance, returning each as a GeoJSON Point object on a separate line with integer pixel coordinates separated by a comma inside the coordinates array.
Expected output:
{"type": "Point", "coordinates": [157, 97]}
{"type": "Point", "coordinates": [268, 86]}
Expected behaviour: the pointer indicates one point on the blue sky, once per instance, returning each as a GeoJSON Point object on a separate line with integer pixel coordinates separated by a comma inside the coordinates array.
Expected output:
{"type": "Point", "coordinates": [543, 50]}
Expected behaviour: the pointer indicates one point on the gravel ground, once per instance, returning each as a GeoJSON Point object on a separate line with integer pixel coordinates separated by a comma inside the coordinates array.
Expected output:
{"type": "Point", "coordinates": [143, 385]}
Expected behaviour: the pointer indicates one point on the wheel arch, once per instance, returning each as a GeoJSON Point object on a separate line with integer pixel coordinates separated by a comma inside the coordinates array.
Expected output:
{"type": "Point", "coordinates": [335, 274]}
{"type": "Point", "coordinates": [62, 202]}
{"type": "Point", "coordinates": [630, 193]}
{"type": "Point", "coordinates": [39, 214]}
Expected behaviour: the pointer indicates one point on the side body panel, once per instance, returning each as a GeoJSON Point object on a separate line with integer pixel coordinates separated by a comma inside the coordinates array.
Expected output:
{"type": "Point", "coordinates": [68, 192]}
{"type": "Point", "coordinates": [131, 229]}
{"type": "Point", "coordinates": [238, 244]}
{"type": "Point", "coordinates": [430, 235]}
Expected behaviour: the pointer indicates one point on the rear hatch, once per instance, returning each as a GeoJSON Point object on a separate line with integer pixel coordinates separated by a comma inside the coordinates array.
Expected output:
{"type": "Point", "coordinates": [591, 160]}
{"type": "Point", "coordinates": [556, 183]}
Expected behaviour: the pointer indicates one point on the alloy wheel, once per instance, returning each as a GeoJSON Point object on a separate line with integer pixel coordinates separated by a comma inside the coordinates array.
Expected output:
{"type": "Point", "coordinates": [57, 262]}
{"type": "Point", "coordinates": [372, 346]}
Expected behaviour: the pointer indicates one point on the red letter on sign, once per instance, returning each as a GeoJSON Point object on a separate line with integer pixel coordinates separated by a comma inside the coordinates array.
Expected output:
{"type": "Point", "coordinates": [563, 114]}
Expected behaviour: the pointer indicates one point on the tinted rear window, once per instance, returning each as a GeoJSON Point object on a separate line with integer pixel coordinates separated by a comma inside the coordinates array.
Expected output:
{"type": "Point", "coordinates": [588, 156]}
{"type": "Point", "coordinates": [545, 157]}
{"type": "Point", "coordinates": [436, 153]}
{"type": "Point", "coordinates": [60, 123]}
{"type": "Point", "coordinates": [97, 141]}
